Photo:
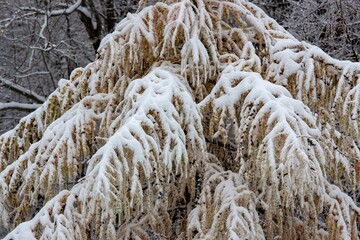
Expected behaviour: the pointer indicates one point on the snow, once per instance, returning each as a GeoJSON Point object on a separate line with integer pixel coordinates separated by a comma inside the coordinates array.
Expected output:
{"type": "Point", "coordinates": [286, 118]}
{"type": "Point", "coordinates": [226, 189]}
{"type": "Point", "coordinates": [161, 89]}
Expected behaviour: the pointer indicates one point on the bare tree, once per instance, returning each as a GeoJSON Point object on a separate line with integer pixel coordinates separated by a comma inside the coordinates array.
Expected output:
{"type": "Point", "coordinates": [43, 41]}
{"type": "Point", "coordinates": [333, 25]}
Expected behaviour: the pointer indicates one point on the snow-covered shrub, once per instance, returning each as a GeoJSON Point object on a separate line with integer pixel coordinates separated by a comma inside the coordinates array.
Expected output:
{"type": "Point", "coordinates": [199, 119]}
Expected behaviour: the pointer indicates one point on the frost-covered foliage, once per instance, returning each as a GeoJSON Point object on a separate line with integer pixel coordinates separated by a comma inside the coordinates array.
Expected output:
{"type": "Point", "coordinates": [199, 119]}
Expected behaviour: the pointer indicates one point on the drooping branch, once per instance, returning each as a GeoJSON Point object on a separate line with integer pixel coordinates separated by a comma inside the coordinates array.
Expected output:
{"type": "Point", "coordinates": [156, 139]}
{"type": "Point", "coordinates": [278, 137]}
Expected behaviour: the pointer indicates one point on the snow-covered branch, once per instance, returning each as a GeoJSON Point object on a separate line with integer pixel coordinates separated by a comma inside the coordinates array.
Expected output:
{"type": "Point", "coordinates": [156, 134]}
{"type": "Point", "coordinates": [65, 11]}
{"type": "Point", "coordinates": [270, 126]}
{"type": "Point", "coordinates": [226, 208]}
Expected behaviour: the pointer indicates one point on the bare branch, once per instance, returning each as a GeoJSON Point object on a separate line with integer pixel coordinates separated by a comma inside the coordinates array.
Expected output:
{"type": "Point", "coordinates": [54, 13]}
{"type": "Point", "coordinates": [22, 90]}
{"type": "Point", "coordinates": [31, 74]}
{"type": "Point", "coordinates": [19, 106]}
{"type": "Point", "coordinates": [67, 11]}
